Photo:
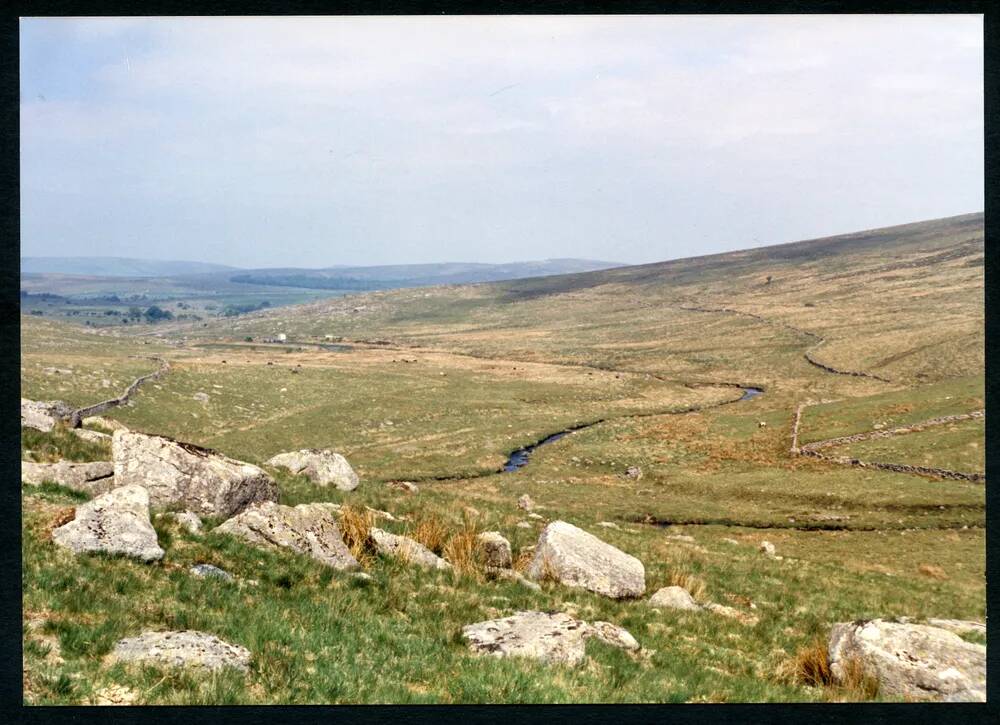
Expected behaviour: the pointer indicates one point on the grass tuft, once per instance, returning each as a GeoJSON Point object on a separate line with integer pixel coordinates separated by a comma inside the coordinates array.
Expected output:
{"type": "Point", "coordinates": [355, 524]}
{"type": "Point", "coordinates": [431, 531]}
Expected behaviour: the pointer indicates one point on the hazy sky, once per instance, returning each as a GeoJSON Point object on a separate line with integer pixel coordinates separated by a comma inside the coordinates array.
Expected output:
{"type": "Point", "coordinates": [320, 141]}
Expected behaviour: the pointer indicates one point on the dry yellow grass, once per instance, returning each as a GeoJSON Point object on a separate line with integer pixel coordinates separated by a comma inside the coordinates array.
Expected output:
{"type": "Point", "coordinates": [429, 530]}
{"type": "Point", "coordinates": [355, 523]}
{"type": "Point", "coordinates": [461, 551]}
{"type": "Point", "coordinates": [686, 580]}
{"type": "Point", "coordinates": [933, 571]}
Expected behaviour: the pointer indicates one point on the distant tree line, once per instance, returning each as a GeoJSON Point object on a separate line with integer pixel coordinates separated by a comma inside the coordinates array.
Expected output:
{"type": "Point", "coordinates": [233, 310]}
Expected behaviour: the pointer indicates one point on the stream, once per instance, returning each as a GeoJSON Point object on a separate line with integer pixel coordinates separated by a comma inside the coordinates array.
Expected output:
{"type": "Point", "coordinates": [519, 458]}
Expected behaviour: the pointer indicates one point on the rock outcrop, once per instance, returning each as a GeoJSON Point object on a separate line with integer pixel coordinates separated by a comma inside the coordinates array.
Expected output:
{"type": "Point", "coordinates": [91, 436]}
{"type": "Point", "coordinates": [405, 548]}
{"type": "Point", "coordinates": [181, 649]}
{"type": "Point", "coordinates": [323, 467]}
{"type": "Point", "coordinates": [43, 414]}
{"type": "Point", "coordinates": [494, 550]}
{"type": "Point", "coordinates": [309, 529]}
{"type": "Point", "coordinates": [549, 637]}
{"type": "Point", "coordinates": [116, 522]}
{"type": "Point", "coordinates": [911, 660]}
{"type": "Point", "coordinates": [201, 480]}
{"type": "Point", "coordinates": [92, 478]}
{"type": "Point", "coordinates": [576, 558]}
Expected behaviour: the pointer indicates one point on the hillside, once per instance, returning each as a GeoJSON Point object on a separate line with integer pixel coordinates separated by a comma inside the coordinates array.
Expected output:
{"type": "Point", "coordinates": [116, 266]}
{"type": "Point", "coordinates": [794, 435]}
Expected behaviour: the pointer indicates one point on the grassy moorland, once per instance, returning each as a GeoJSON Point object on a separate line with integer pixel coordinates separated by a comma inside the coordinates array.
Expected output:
{"type": "Point", "coordinates": [445, 382]}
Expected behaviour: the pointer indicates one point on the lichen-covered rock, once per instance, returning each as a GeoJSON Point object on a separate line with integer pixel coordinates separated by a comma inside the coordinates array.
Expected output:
{"type": "Point", "coordinates": [94, 478]}
{"type": "Point", "coordinates": [576, 558]}
{"type": "Point", "coordinates": [43, 414]}
{"type": "Point", "coordinates": [309, 529]}
{"type": "Point", "coordinates": [674, 598]}
{"type": "Point", "coordinates": [181, 649]}
{"type": "Point", "coordinates": [106, 423]}
{"type": "Point", "coordinates": [494, 550]}
{"type": "Point", "coordinates": [732, 613]}
{"type": "Point", "coordinates": [911, 660]}
{"type": "Point", "coordinates": [116, 522]}
{"type": "Point", "coordinates": [614, 635]}
{"type": "Point", "coordinates": [189, 520]}
{"type": "Point", "coordinates": [91, 436]}
{"type": "Point", "coordinates": [549, 637]}
{"type": "Point", "coordinates": [959, 626]}
{"type": "Point", "coordinates": [767, 548]}
{"type": "Point", "coordinates": [204, 571]}
{"type": "Point", "coordinates": [405, 548]}
{"type": "Point", "coordinates": [206, 482]}
{"type": "Point", "coordinates": [525, 503]}
{"type": "Point", "coordinates": [407, 486]}
{"type": "Point", "coordinates": [323, 467]}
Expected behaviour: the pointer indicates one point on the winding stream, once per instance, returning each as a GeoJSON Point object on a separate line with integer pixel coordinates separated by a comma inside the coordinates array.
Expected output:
{"type": "Point", "coordinates": [519, 458]}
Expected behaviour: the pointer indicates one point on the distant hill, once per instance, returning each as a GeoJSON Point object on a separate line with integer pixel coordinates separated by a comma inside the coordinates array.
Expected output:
{"type": "Point", "coordinates": [414, 275]}
{"type": "Point", "coordinates": [116, 266]}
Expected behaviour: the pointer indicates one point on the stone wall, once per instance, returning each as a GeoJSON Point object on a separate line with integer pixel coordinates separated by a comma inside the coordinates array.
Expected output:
{"type": "Point", "coordinates": [76, 419]}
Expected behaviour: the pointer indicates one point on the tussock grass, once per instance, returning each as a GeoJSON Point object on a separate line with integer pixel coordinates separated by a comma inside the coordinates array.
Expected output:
{"type": "Point", "coordinates": [429, 529]}
{"type": "Point", "coordinates": [355, 524]}
{"type": "Point", "coordinates": [686, 580]}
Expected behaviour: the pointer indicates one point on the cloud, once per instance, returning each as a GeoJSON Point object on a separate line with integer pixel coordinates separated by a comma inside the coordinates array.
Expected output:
{"type": "Point", "coordinates": [542, 136]}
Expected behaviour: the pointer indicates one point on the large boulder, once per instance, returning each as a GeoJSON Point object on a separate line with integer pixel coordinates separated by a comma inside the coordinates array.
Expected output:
{"type": "Point", "coordinates": [322, 467]}
{"type": "Point", "coordinates": [910, 660]}
{"type": "Point", "coordinates": [116, 522]}
{"type": "Point", "coordinates": [43, 414]}
{"type": "Point", "coordinates": [405, 548]}
{"type": "Point", "coordinates": [93, 478]}
{"type": "Point", "coordinates": [549, 637]}
{"type": "Point", "coordinates": [309, 529]}
{"type": "Point", "coordinates": [201, 480]}
{"type": "Point", "coordinates": [181, 649]}
{"type": "Point", "coordinates": [576, 558]}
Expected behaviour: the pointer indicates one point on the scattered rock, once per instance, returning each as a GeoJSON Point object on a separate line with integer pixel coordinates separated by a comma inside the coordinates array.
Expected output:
{"type": "Point", "coordinates": [116, 522]}
{"type": "Point", "coordinates": [470, 512]}
{"type": "Point", "coordinates": [734, 542]}
{"type": "Point", "coordinates": [189, 520]}
{"type": "Point", "coordinates": [576, 558]}
{"type": "Point", "coordinates": [323, 467]}
{"type": "Point", "coordinates": [681, 537]}
{"type": "Point", "coordinates": [523, 524]}
{"type": "Point", "coordinates": [512, 575]}
{"type": "Point", "coordinates": [608, 524]}
{"type": "Point", "coordinates": [525, 502]}
{"type": "Point", "coordinates": [535, 517]}
{"type": "Point", "coordinates": [208, 570]}
{"type": "Point", "coordinates": [404, 486]}
{"type": "Point", "coordinates": [43, 414]}
{"type": "Point", "coordinates": [206, 482]}
{"type": "Point", "coordinates": [106, 423]}
{"type": "Point", "coordinates": [201, 397]}
{"type": "Point", "coordinates": [405, 548]}
{"type": "Point", "coordinates": [115, 695]}
{"type": "Point", "coordinates": [614, 635]}
{"type": "Point", "coordinates": [767, 548]}
{"type": "Point", "coordinates": [495, 550]}
{"type": "Point", "coordinates": [181, 649]}
{"type": "Point", "coordinates": [724, 611]}
{"type": "Point", "coordinates": [551, 638]}
{"type": "Point", "coordinates": [91, 436]}
{"type": "Point", "coordinates": [633, 472]}
{"type": "Point", "coordinates": [362, 578]}
{"type": "Point", "coordinates": [674, 598]}
{"type": "Point", "coordinates": [911, 660]}
{"type": "Point", "coordinates": [309, 529]}
{"type": "Point", "coordinates": [93, 478]}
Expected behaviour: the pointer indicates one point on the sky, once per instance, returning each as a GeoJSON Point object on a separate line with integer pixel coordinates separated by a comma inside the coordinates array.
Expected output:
{"type": "Point", "coordinates": [312, 142]}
